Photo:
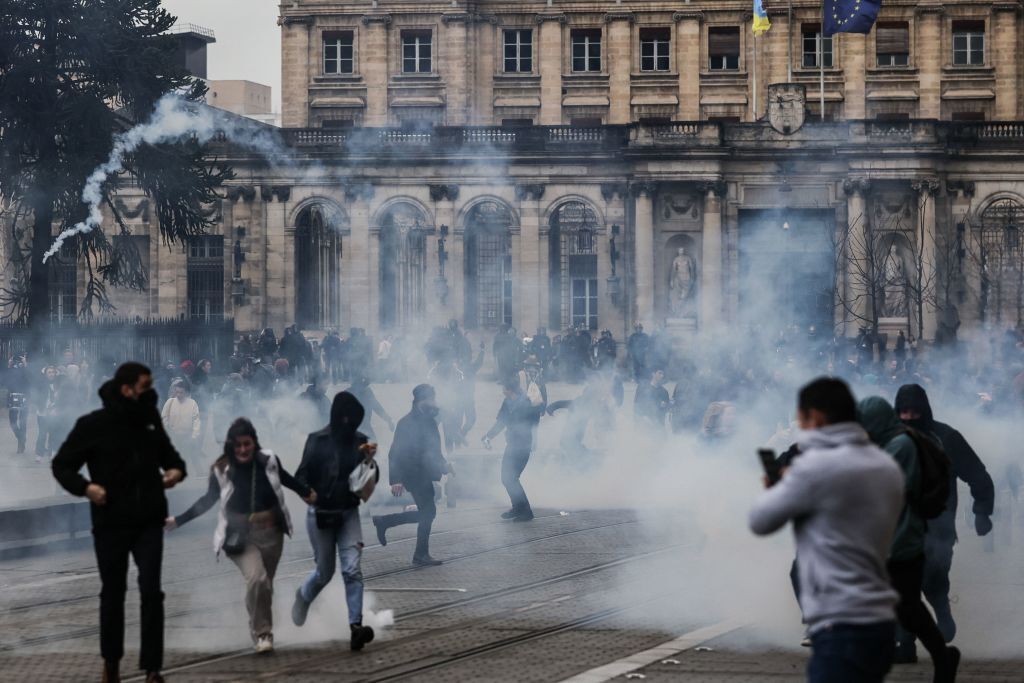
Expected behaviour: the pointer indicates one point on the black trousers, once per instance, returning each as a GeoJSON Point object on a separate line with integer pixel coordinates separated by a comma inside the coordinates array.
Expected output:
{"type": "Point", "coordinates": [907, 577]}
{"type": "Point", "coordinates": [512, 465]}
{"type": "Point", "coordinates": [426, 511]}
{"type": "Point", "coordinates": [146, 546]}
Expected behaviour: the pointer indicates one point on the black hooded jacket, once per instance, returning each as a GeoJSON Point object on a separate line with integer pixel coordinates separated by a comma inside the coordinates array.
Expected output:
{"type": "Point", "coordinates": [966, 463]}
{"type": "Point", "coordinates": [332, 453]}
{"type": "Point", "coordinates": [126, 449]}
{"type": "Point", "coordinates": [416, 459]}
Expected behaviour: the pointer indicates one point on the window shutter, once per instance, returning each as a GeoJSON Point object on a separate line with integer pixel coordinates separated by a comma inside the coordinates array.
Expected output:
{"type": "Point", "coordinates": [892, 39]}
{"type": "Point", "coordinates": [724, 41]}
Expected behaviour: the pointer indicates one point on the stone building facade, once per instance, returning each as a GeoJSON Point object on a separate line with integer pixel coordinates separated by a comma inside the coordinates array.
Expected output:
{"type": "Point", "coordinates": [543, 163]}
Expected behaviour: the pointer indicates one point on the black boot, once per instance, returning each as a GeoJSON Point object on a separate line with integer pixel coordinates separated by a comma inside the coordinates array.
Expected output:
{"type": "Point", "coordinates": [425, 561]}
{"type": "Point", "coordinates": [382, 531]}
{"type": "Point", "coordinates": [361, 635]}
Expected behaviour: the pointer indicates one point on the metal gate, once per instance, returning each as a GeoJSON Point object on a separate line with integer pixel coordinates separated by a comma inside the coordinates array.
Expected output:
{"type": "Point", "coordinates": [205, 269]}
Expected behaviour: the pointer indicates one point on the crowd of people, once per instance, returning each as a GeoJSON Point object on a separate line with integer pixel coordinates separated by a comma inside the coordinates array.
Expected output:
{"type": "Point", "coordinates": [895, 552]}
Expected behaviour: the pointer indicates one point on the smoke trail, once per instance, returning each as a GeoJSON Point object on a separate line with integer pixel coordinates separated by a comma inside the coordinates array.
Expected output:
{"type": "Point", "coordinates": [174, 118]}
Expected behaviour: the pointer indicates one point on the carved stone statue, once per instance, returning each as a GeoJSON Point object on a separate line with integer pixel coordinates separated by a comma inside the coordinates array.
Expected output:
{"type": "Point", "coordinates": [681, 282]}
{"type": "Point", "coordinates": [895, 285]}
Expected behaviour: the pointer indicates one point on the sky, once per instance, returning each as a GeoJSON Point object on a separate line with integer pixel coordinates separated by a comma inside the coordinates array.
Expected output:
{"type": "Point", "coordinates": [248, 43]}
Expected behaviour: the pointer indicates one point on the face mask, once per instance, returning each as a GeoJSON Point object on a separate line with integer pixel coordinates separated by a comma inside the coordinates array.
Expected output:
{"type": "Point", "coordinates": [432, 411]}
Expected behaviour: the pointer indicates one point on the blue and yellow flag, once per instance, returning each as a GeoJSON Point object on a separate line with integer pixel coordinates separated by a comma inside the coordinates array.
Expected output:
{"type": "Point", "coordinates": [761, 23]}
{"type": "Point", "coordinates": [849, 16]}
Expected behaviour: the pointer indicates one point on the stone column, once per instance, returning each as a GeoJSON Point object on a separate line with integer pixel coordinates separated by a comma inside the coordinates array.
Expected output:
{"type": "Point", "coordinates": [688, 63]}
{"type": "Point", "coordinates": [358, 284]}
{"type": "Point", "coordinates": [927, 285]}
{"type": "Point", "coordinates": [620, 65]}
{"type": "Point", "coordinates": [711, 283]}
{"type": "Point", "coordinates": [295, 70]}
{"type": "Point", "coordinates": [929, 60]}
{"type": "Point", "coordinates": [444, 197]}
{"type": "Point", "coordinates": [374, 66]}
{"type": "Point", "coordinates": [550, 66]}
{"type": "Point", "coordinates": [643, 226]}
{"type": "Point", "coordinates": [856, 296]}
{"type": "Point", "coordinates": [456, 66]}
{"type": "Point", "coordinates": [1005, 53]}
{"type": "Point", "coordinates": [529, 283]}
{"type": "Point", "coordinates": [854, 47]}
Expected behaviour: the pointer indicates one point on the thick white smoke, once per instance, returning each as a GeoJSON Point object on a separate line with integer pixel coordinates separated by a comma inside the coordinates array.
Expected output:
{"type": "Point", "coordinates": [173, 119]}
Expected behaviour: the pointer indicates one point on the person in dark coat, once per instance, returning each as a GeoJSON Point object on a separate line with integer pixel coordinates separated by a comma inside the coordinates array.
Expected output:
{"type": "Point", "coordinates": [330, 456]}
{"type": "Point", "coordinates": [415, 463]}
{"type": "Point", "coordinates": [915, 410]}
{"type": "Point", "coordinates": [637, 347]}
{"type": "Point", "coordinates": [362, 390]}
{"type": "Point", "coordinates": [130, 461]}
{"type": "Point", "coordinates": [652, 402]}
{"type": "Point", "coordinates": [517, 417]}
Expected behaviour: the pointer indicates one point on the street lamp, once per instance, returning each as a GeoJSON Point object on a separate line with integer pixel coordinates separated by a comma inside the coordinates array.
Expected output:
{"type": "Point", "coordinates": [441, 282]}
{"type": "Point", "coordinates": [613, 283]}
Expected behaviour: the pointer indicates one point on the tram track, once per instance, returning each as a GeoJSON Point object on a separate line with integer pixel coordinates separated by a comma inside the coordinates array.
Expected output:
{"type": "Point", "coordinates": [383, 646]}
{"type": "Point", "coordinates": [92, 631]}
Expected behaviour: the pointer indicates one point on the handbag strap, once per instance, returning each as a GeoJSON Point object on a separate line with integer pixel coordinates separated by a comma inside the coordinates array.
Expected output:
{"type": "Point", "coordinates": [252, 492]}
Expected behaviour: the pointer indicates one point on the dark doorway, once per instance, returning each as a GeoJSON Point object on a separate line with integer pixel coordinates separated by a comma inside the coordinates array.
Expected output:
{"type": "Point", "coordinates": [488, 266]}
{"type": "Point", "coordinates": [787, 268]}
{"type": "Point", "coordinates": [317, 269]}
{"type": "Point", "coordinates": [403, 253]}
{"type": "Point", "coordinates": [572, 244]}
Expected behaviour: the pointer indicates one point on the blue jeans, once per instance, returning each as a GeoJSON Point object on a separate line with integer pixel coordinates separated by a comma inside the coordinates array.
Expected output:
{"type": "Point", "coordinates": [852, 653]}
{"type": "Point", "coordinates": [347, 540]}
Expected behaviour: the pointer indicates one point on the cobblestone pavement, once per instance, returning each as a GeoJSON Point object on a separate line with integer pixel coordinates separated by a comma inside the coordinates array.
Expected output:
{"type": "Point", "coordinates": [545, 601]}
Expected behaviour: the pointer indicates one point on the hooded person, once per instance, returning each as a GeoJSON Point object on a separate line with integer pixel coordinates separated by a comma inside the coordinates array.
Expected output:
{"type": "Point", "coordinates": [130, 462]}
{"type": "Point", "coordinates": [415, 462]}
{"type": "Point", "coordinates": [330, 456]}
{"type": "Point", "coordinates": [249, 483]}
{"type": "Point", "coordinates": [914, 409]}
{"type": "Point", "coordinates": [906, 561]}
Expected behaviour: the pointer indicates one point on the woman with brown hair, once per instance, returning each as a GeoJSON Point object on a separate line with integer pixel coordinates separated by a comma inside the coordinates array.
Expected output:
{"type": "Point", "coordinates": [249, 482]}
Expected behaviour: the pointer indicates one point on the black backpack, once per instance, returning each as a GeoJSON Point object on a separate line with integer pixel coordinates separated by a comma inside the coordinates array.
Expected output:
{"type": "Point", "coordinates": [936, 470]}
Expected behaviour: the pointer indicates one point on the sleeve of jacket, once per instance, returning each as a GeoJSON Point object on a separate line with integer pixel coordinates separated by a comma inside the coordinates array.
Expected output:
{"type": "Point", "coordinates": [302, 474]}
{"type": "Point", "coordinates": [969, 467]}
{"type": "Point", "coordinates": [71, 457]}
{"type": "Point", "coordinates": [794, 496]}
{"type": "Point", "coordinates": [168, 456]}
{"type": "Point", "coordinates": [291, 482]}
{"type": "Point", "coordinates": [398, 454]}
{"type": "Point", "coordinates": [202, 505]}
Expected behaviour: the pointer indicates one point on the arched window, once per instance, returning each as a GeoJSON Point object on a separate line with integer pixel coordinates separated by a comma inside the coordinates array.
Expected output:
{"type": "Point", "coordinates": [488, 267]}
{"type": "Point", "coordinates": [318, 267]}
{"type": "Point", "coordinates": [572, 246]}
{"type": "Point", "coordinates": [403, 249]}
{"type": "Point", "coordinates": [1000, 261]}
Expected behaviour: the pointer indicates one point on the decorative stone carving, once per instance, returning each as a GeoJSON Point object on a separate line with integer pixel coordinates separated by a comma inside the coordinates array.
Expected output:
{"type": "Point", "coordinates": [619, 16]}
{"type": "Point", "coordinates": [787, 107]}
{"type": "Point", "coordinates": [357, 191]}
{"type": "Point", "coordinates": [244, 192]}
{"type": "Point", "coordinates": [529, 192]}
{"type": "Point", "coordinates": [305, 20]}
{"type": "Point", "coordinates": [141, 209]}
{"type": "Point", "coordinates": [456, 17]}
{"type": "Point", "coordinates": [560, 18]}
{"type": "Point", "coordinates": [610, 191]}
{"type": "Point", "coordinates": [266, 193]}
{"type": "Point", "coordinates": [962, 188]}
{"type": "Point", "coordinates": [643, 188]}
{"type": "Point", "coordinates": [928, 186]}
{"type": "Point", "coordinates": [895, 291]}
{"type": "Point", "coordinates": [440, 193]}
{"type": "Point", "coordinates": [376, 19]}
{"type": "Point", "coordinates": [282, 192]}
{"type": "Point", "coordinates": [679, 205]}
{"type": "Point", "coordinates": [691, 15]}
{"type": "Point", "coordinates": [718, 187]}
{"type": "Point", "coordinates": [852, 186]}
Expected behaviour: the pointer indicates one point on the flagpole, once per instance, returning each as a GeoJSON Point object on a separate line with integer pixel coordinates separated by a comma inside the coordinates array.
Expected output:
{"type": "Point", "coordinates": [821, 62]}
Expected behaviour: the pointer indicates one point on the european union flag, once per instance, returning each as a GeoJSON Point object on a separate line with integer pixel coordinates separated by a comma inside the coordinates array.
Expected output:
{"type": "Point", "coordinates": [850, 16]}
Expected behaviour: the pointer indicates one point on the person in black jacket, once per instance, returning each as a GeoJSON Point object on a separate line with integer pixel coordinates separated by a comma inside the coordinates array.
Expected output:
{"type": "Point", "coordinates": [415, 463]}
{"type": "Point", "coordinates": [915, 410]}
{"type": "Point", "coordinates": [517, 417]}
{"type": "Point", "coordinates": [330, 456]}
{"type": "Point", "coordinates": [130, 461]}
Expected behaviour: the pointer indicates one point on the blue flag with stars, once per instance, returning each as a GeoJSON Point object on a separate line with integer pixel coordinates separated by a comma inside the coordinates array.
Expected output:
{"type": "Point", "coordinates": [849, 16]}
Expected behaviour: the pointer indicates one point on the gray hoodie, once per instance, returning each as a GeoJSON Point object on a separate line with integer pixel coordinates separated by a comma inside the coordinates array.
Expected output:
{"type": "Point", "coordinates": [844, 496]}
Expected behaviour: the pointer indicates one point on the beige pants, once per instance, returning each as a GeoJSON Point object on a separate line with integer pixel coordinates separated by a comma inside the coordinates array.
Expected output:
{"type": "Point", "coordinates": [258, 564]}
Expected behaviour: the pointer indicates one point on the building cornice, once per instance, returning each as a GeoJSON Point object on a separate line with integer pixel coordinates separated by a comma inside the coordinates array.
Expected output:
{"type": "Point", "coordinates": [688, 16]}
{"type": "Point", "coordinates": [619, 16]}
{"type": "Point", "coordinates": [560, 18]}
{"type": "Point", "coordinates": [456, 17]}
{"type": "Point", "coordinates": [376, 19]}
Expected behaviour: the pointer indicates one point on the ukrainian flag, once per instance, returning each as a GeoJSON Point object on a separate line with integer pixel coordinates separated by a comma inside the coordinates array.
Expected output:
{"type": "Point", "coordinates": [761, 23]}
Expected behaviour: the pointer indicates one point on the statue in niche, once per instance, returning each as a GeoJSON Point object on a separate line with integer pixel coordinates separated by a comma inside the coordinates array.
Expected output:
{"type": "Point", "coordinates": [681, 282]}
{"type": "Point", "coordinates": [895, 285]}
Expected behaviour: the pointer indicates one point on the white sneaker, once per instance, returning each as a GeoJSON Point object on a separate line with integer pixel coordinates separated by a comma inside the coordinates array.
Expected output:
{"type": "Point", "coordinates": [265, 644]}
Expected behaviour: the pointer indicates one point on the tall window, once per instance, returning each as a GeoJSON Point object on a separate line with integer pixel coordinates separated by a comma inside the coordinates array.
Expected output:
{"type": "Point", "coordinates": [654, 49]}
{"type": "Point", "coordinates": [416, 52]}
{"type": "Point", "coordinates": [724, 48]}
{"type": "Point", "coordinates": [812, 42]}
{"type": "Point", "coordinates": [205, 270]}
{"type": "Point", "coordinates": [586, 50]}
{"type": "Point", "coordinates": [338, 55]}
{"type": "Point", "coordinates": [63, 284]}
{"type": "Point", "coordinates": [572, 242]}
{"type": "Point", "coordinates": [518, 51]}
{"type": "Point", "coordinates": [892, 43]}
{"type": "Point", "coordinates": [969, 43]}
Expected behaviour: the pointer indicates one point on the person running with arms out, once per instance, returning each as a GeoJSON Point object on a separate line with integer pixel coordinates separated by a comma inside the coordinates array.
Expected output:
{"type": "Point", "coordinates": [844, 496]}
{"type": "Point", "coordinates": [249, 482]}
{"type": "Point", "coordinates": [130, 461]}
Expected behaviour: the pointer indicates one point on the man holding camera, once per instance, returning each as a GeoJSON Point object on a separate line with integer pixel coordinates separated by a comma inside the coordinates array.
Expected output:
{"type": "Point", "coordinates": [844, 496]}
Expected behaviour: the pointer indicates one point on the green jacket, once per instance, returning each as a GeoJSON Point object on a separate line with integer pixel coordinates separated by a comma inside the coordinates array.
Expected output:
{"type": "Point", "coordinates": [885, 429]}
